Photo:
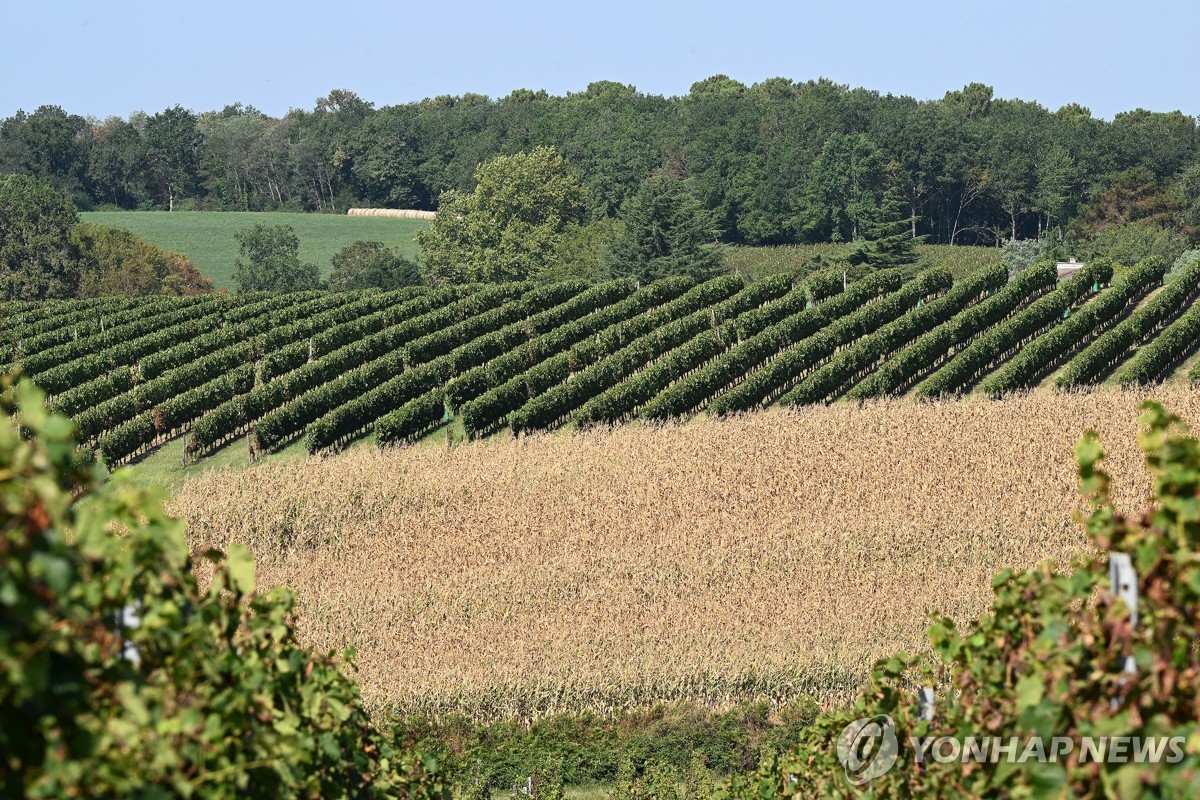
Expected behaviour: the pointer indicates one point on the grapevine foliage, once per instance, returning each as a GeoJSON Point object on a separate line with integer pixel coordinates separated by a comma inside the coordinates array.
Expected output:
{"type": "Point", "coordinates": [121, 677]}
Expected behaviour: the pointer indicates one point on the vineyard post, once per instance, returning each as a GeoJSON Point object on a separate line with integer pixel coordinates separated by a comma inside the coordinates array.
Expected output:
{"type": "Point", "coordinates": [129, 618]}
{"type": "Point", "coordinates": [1124, 585]}
{"type": "Point", "coordinates": [925, 703]}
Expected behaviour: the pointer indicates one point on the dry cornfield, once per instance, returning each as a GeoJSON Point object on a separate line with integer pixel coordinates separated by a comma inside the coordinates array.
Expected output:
{"type": "Point", "coordinates": [776, 554]}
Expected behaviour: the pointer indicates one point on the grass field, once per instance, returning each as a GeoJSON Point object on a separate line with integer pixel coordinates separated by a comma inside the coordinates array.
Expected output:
{"type": "Point", "coordinates": [164, 467]}
{"type": "Point", "coordinates": [770, 555]}
{"type": "Point", "coordinates": [207, 237]}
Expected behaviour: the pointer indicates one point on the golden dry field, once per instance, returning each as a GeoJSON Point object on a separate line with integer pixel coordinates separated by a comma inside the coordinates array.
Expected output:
{"type": "Point", "coordinates": [776, 554]}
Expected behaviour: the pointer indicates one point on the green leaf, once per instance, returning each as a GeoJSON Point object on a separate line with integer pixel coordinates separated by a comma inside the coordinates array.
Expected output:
{"type": "Point", "coordinates": [240, 564]}
{"type": "Point", "coordinates": [1047, 780]}
{"type": "Point", "coordinates": [1030, 690]}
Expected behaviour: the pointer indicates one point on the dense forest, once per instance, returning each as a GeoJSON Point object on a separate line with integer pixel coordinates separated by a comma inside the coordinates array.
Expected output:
{"type": "Point", "coordinates": [777, 162]}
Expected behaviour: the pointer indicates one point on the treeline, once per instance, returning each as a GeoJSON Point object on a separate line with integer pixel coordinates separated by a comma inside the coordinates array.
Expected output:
{"type": "Point", "coordinates": [776, 162]}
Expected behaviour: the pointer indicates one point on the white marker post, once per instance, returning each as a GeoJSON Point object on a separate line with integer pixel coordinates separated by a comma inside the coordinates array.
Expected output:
{"type": "Point", "coordinates": [925, 703]}
{"type": "Point", "coordinates": [130, 618]}
{"type": "Point", "coordinates": [1125, 586]}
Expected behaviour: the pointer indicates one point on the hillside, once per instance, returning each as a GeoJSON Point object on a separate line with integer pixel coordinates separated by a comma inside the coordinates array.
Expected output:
{"type": "Point", "coordinates": [206, 238]}
{"type": "Point", "coordinates": [326, 369]}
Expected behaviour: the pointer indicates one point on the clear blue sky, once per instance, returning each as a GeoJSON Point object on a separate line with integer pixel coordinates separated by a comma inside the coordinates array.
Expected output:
{"type": "Point", "coordinates": [104, 58]}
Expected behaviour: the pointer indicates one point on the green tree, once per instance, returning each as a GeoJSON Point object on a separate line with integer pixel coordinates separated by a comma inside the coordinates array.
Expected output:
{"type": "Point", "coordinates": [839, 195]}
{"type": "Point", "coordinates": [1057, 177]}
{"type": "Point", "coordinates": [1129, 197]}
{"type": "Point", "coordinates": [511, 227]}
{"type": "Point", "coordinates": [173, 142]}
{"type": "Point", "coordinates": [371, 265]}
{"type": "Point", "coordinates": [116, 171]}
{"type": "Point", "coordinates": [383, 160]}
{"type": "Point", "coordinates": [665, 232]}
{"type": "Point", "coordinates": [973, 101]}
{"type": "Point", "coordinates": [889, 239]}
{"type": "Point", "coordinates": [1010, 154]}
{"type": "Point", "coordinates": [38, 259]}
{"type": "Point", "coordinates": [52, 145]}
{"type": "Point", "coordinates": [1187, 189]}
{"type": "Point", "coordinates": [1131, 242]}
{"type": "Point", "coordinates": [269, 260]}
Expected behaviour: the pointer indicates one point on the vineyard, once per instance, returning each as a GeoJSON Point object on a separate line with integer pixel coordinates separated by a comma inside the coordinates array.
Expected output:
{"type": "Point", "coordinates": [326, 368]}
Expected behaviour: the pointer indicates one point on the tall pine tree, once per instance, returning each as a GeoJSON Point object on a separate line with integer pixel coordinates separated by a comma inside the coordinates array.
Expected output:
{"type": "Point", "coordinates": [889, 240]}
{"type": "Point", "coordinates": [666, 232]}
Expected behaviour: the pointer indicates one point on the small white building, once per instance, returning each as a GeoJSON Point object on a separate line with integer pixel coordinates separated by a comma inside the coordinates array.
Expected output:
{"type": "Point", "coordinates": [1068, 268]}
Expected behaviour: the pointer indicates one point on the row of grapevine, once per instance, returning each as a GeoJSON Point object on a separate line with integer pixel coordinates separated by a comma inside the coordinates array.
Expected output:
{"type": "Point", "coordinates": [493, 408]}
{"type": "Point", "coordinates": [182, 334]}
{"type": "Point", "coordinates": [472, 331]}
{"type": "Point", "coordinates": [412, 419]}
{"type": "Point", "coordinates": [292, 347]}
{"type": "Point", "coordinates": [540, 328]}
{"type": "Point", "coordinates": [126, 323]}
{"type": "Point", "coordinates": [425, 412]}
{"type": "Point", "coordinates": [49, 317]}
{"type": "Point", "coordinates": [111, 413]}
{"type": "Point", "coordinates": [65, 376]}
{"type": "Point", "coordinates": [165, 316]}
{"type": "Point", "coordinates": [27, 313]}
{"type": "Point", "coordinates": [31, 340]}
{"type": "Point", "coordinates": [863, 357]}
{"type": "Point", "coordinates": [256, 322]}
{"type": "Point", "coordinates": [90, 394]}
{"type": "Point", "coordinates": [475, 382]}
{"type": "Point", "coordinates": [1173, 345]}
{"type": "Point", "coordinates": [551, 408]}
{"type": "Point", "coordinates": [782, 373]}
{"type": "Point", "coordinates": [179, 411]}
{"type": "Point", "coordinates": [1103, 355]}
{"type": "Point", "coordinates": [365, 410]}
{"type": "Point", "coordinates": [1046, 352]}
{"type": "Point", "coordinates": [763, 334]}
{"type": "Point", "coordinates": [254, 304]}
{"type": "Point", "coordinates": [145, 429]}
{"type": "Point", "coordinates": [128, 440]}
{"type": "Point", "coordinates": [998, 343]}
{"type": "Point", "coordinates": [814, 289]}
{"type": "Point", "coordinates": [622, 400]}
{"type": "Point", "coordinates": [930, 351]}
{"type": "Point", "coordinates": [225, 421]}
{"type": "Point", "coordinates": [361, 413]}
{"type": "Point", "coordinates": [290, 419]}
